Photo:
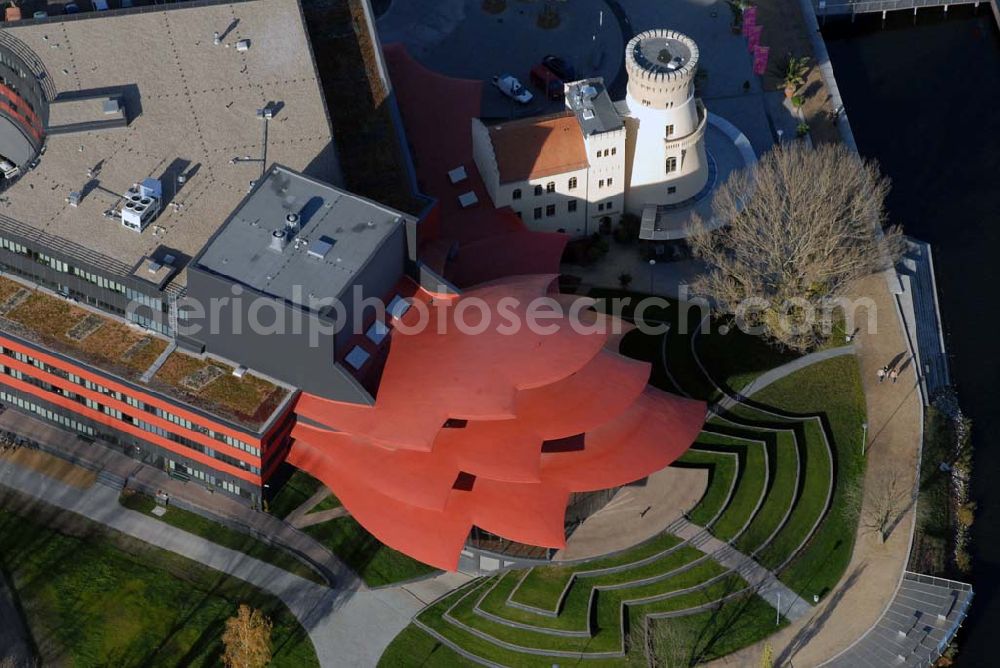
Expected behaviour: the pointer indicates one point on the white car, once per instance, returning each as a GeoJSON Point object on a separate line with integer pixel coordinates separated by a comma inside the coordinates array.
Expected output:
{"type": "Point", "coordinates": [512, 88]}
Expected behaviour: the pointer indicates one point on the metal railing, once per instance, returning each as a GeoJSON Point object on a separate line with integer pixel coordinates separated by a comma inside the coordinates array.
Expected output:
{"type": "Point", "coordinates": [835, 7]}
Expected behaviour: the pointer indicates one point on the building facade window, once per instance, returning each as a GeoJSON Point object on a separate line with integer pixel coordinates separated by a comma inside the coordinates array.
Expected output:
{"type": "Point", "coordinates": [550, 187]}
{"type": "Point", "coordinates": [671, 190]}
{"type": "Point", "coordinates": [614, 150]}
{"type": "Point", "coordinates": [550, 210]}
{"type": "Point", "coordinates": [671, 164]}
{"type": "Point", "coordinates": [600, 184]}
{"type": "Point", "coordinates": [538, 191]}
{"type": "Point", "coordinates": [572, 183]}
{"type": "Point", "coordinates": [670, 130]}
{"type": "Point", "coordinates": [610, 182]}
{"type": "Point", "coordinates": [538, 212]}
{"type": "Point", "coordinates": [516, 194]}
{"type": "Point", "coordinates": [571, 205]}
{"type": "Point", "coordinates": [606, 152]}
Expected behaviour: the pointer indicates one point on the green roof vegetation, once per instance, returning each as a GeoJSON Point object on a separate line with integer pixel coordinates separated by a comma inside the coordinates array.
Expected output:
{"type": "Point", "coordinates": [48, 320]}
{"type": "Point", "coordinates": [113, 346]}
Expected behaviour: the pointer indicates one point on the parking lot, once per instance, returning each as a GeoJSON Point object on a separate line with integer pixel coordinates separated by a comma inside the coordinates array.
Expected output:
{"type": "Point", "coordinates": [460, 39]}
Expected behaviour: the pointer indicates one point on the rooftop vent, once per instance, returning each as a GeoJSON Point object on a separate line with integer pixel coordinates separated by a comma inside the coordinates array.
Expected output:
{"type": "Point", "coordinates": [319, 248]}
{"type": "Point", "coordinates": [278, 240]}
{"type": "Point", "coordinates": [588, 114]}
{"type": "Point", "coordinates": [292, 223]}
{"type": "Point", "coordinates": [243, 45]}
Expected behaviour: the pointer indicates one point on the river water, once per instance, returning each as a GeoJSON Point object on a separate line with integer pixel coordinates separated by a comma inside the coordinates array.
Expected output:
{"type": "Point", "coordinates": [924, 100]}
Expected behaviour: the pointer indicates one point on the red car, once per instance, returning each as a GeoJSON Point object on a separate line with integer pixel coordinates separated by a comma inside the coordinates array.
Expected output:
{"type": "Point", "coordinates": [543, 78]}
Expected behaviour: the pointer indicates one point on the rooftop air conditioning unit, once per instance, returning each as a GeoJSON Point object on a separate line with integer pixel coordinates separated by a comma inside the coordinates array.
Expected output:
{"type": "Point", "coordinates": [141, 204]}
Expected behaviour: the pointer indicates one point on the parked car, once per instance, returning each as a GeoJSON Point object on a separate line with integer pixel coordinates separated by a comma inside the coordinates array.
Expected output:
{"type": "Point", "coordinates": [72, 8]}
{"type": "Point", "coordinates": [560, 67]}
{"type": "Point", "coordinates": [512, 88]}
{"type": "Point", "coordinates": [100, 5]}
{"type": "Point", "coordinates": [40, 14]}
{"type": "Point", "coordinates": [544, 78]}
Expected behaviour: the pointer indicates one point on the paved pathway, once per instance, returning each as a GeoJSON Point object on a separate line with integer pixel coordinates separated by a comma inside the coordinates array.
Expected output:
{"type": "Point", "coordinates": [767, 586]}
{"type": "Point", "coordinates": [309, 519]}
{"type": "Point", "coordinates": [188, 495]}
{"type": "Point", "coordinates": [348, 625]}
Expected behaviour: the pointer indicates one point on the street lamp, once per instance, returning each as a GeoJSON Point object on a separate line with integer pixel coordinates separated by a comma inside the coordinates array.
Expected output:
{"type": "Point", "coordinates": [864, 437]}
{"type": "Point", "coordinates": [652, 266]}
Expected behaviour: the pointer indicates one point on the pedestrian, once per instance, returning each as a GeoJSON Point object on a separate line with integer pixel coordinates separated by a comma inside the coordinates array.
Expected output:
{"type": "Point", "coordinates": [894, 375]}
{"type": "Point", "coordinates": [881, 374]}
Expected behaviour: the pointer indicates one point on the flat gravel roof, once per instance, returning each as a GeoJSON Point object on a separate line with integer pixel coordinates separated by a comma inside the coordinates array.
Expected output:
{"type": "Point", "coordinates": [194, 111]}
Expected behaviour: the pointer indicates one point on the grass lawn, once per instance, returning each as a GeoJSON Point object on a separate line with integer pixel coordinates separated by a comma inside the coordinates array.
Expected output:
{"type": "Point", "coordinates": [783, 465]}
{"type": "Point", "coordinates": [734, 359]}
{"type": "Point", "coordinates": [296, 491]}
{"type": "Point", "coordinates": [831, 388]}
{"type": "Point", "coordinates": [413, 648]}
{"type": "Point", "coordinates": [98, 598]}
{"type": "Point", "coordinates": [722, 470]}
{"type": "Point", "coordinates": [376, 564]}
{"type": "Point", "coordinates": [220, 534]}
{"type": "Point", "coordinates": [739, 622]}
{"type": "Point", "coordinates": [574, 614]}
{"type": "Point", "coordinates": [543, 585]}
{"type": "Point", "coordinates": [751, 484]}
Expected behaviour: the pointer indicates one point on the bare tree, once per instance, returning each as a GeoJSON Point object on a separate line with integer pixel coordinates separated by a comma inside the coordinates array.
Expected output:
{"type": "Point", "coordinates": [664, 643]}
{"type": "Point", "coordinates": [800, 227]}
{"type": "Point", "coordinates": [888, 500]}
{"type": "Point", "coordinates": [247, 639]}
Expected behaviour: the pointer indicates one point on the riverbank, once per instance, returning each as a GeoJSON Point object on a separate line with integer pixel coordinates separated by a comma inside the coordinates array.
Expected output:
{"type": "Point", "coordinates": [885, 73]}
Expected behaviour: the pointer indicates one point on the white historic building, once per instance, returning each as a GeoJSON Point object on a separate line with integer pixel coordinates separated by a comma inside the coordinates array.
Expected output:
{"type": "Point", "coordinates": [580, 170]}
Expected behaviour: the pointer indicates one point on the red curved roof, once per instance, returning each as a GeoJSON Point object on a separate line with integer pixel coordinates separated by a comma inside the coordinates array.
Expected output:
{"type": "Point", "coordinates": [547, 415]}
{"type": "Point", "coordinates": [437, 112]}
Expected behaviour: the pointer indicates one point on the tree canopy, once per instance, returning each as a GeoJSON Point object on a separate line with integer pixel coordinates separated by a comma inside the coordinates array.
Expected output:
{"type": "Point", "coordinates": [799, 228]}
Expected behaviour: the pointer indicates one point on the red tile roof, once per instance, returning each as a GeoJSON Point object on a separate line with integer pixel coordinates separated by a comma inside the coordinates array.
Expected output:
{"type": "Point", "coordinates": [538, 147]}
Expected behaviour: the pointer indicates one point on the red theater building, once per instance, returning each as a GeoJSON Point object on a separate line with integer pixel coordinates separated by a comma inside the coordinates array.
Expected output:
{"type": "Point", "coordinates": [190, 290]}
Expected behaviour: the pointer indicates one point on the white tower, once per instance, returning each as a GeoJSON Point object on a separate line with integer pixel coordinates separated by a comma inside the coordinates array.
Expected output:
{"type": "Point", "coordinates": [667, 149]}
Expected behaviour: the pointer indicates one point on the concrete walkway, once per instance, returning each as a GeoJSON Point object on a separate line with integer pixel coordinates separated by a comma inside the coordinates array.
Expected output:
{"type": "Point", "coordinates": [765, 584]}
{"type": "Point", "coordinates": [636, 513]}
{"type": "Point", "coordinates": [309, 519]}
{"type": "Point", "coordinates": [348, 625]}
